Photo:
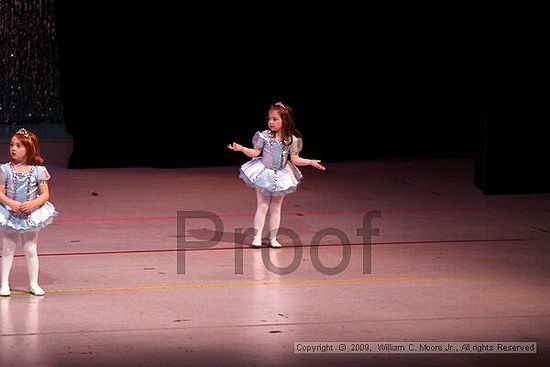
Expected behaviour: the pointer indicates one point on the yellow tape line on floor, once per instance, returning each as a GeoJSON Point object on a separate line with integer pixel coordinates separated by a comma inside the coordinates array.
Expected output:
{"type": "Point", "coordinates": [442, 277]}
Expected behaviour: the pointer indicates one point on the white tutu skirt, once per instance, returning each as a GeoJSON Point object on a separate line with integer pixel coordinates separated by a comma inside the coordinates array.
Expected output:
{"type": "Point", "coordinates": [11, 221]}
{"type": "Point", "coordinates": [272, 182]}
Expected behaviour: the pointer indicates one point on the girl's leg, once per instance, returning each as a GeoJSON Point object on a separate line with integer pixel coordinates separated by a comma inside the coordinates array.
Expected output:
{"type": "Point", "coordinates": [275, 208]}
{"type": "Point", "coordinates": [259, 217]}
{"type": "Point", "coordinates": [9, 244]}
{"type": "Point", "coordinates": [30, 240]}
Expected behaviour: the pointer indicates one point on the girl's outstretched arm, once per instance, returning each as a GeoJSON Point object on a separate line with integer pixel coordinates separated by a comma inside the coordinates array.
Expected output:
{"type": "Point", "coordinates": [299, 161]}
{"type": "Point", "coordinates": [248, 151]}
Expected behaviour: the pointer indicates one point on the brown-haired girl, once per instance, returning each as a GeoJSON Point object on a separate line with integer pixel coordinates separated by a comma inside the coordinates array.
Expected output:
{"type": "Point", "coordinates": [24, 206]}
{"type": "Point", "coordinates": [274, 174]}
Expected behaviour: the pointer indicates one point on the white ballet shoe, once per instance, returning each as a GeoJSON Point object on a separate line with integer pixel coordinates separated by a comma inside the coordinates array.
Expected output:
{"type": "Point", "coordinates": [5, 291]}
{"type": "Point", "coordinates": [257, 242]}
{"type": "Point", "coordinates": [36, 290]}
{"type": "Point", "coordinates": [275, 244]}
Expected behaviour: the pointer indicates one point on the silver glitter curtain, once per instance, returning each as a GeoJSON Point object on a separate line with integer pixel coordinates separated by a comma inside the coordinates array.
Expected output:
{"type": "Point", "coordinates": [29, 84]}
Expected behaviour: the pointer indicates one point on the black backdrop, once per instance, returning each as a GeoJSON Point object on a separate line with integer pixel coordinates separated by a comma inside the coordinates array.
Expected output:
{"type": "Point", "coordinates": [161, 85]}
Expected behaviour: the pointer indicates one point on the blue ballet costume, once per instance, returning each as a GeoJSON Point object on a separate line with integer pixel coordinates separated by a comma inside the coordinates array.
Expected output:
{"type": "Point", "coordinates": [23, 187]}
{"type": "Point", "coordinates": [272, 172]}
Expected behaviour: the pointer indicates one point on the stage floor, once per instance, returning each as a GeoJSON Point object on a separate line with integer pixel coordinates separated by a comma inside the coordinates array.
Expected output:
{"type": "Point", "coordinates": [145, 266]}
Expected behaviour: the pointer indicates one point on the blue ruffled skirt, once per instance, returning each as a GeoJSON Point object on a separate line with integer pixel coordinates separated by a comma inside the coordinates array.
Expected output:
{"type": "Point", "coordinates": [272, 182]}
{"type": "Point", "coordinates": [39, 218]}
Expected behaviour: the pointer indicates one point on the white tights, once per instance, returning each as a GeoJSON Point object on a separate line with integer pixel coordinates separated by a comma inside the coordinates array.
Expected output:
{"type": "Point", "coordinates": [266, 203]}
{"type": "Point", "coordinates": [9, 244]}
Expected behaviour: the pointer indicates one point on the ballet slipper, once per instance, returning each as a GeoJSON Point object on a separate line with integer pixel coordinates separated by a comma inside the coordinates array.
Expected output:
{"type": "Point", "coordinates": [5, 291]}
{"type": "Point", "coordinates": [275, 244]}
{"type": "Point", "coordinates": [36, 290]}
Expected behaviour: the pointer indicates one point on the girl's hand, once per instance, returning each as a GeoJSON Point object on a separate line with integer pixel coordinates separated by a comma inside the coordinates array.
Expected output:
{"type": "Point", "coordinates": [315, 163]}
{"type": "Point", "coordinates": [26, 207]}
{"type": "Point", "coordinates": [15, 207]}
{"type": "Point", "coordinates": [236, 147]}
